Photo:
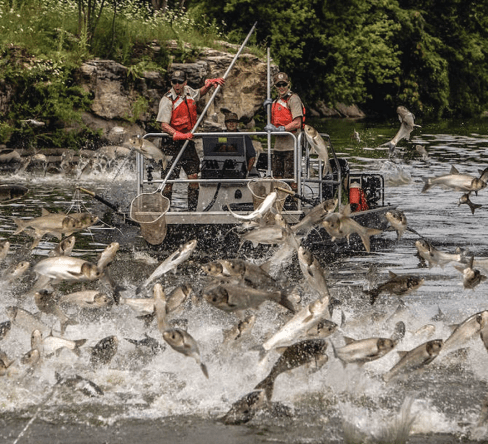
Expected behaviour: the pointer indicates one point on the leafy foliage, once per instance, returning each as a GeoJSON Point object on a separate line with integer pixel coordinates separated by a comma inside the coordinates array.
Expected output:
{"type": "Point", "coordinates": [426, 55]}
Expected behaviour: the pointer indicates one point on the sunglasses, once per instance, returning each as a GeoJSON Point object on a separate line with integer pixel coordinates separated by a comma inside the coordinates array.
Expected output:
{"type": "Point", "coordinates": [177, 82]}
{"type": "Point", "coordinates": [281, 85]}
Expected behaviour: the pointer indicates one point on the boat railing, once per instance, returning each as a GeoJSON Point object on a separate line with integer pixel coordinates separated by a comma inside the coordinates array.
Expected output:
{"type": "Point", "coordinates": [303, 171]}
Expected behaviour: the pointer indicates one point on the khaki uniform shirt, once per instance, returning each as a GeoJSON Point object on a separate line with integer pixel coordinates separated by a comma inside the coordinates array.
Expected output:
{"type": "Point", "coordinates": [286, 143]}
{"type": "Point", "coordinates": [166, 103]}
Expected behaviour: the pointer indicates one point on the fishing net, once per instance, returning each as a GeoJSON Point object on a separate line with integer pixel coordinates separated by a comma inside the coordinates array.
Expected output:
{"type": "Point", "coordinates": [260, 188]}
{"type": "Point", "coordinates": [149, 210]}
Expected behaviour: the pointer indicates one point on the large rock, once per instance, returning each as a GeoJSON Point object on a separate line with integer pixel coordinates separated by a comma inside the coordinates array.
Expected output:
{"type": "Point", "coordinates": [115, 96]}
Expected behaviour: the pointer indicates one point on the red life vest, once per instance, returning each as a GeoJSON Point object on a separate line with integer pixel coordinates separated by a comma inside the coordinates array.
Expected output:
{"type": "Point", "coordinates": [281, 112]}
{"type": "Point", "coordinates": [184, 115]}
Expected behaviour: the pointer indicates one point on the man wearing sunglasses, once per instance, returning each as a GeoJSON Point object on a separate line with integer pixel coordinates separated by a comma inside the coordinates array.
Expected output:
{"type": "Point", "coordinates": [287, 114]}
{"type": "Point", "coordinates": [178, 116]}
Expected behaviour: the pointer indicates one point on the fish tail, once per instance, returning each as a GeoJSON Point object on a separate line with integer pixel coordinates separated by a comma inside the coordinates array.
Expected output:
{"type": "Point", "coordinates": [116, 295]}
{"type": "Point", "coordinates": [285, 302]}
{"type": "Point", "coordinates": [65, 324]}
{"type": "Point", "coordinates": [78, 344]}
{"type": "Point", "coordinates": [147, 319]}
{"type": "Point", "coordinates": [267, 384]}
{"type": "Point", "coordinates": [473, 206]}
{"type": "Point", "coordinates": [427, 184]}
{"type": "Point", "coordinates": [373, 295]}
{"type": "Point", "coordinates": [204, 369]}
{"type": "Point", "coordinates": [21, 225]}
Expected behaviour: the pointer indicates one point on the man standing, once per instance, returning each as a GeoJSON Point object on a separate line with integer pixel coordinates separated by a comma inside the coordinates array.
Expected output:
{"type": "Point", "coordinates": [287, 114]}
{"type": "Point", "coordinates": [178, 116]}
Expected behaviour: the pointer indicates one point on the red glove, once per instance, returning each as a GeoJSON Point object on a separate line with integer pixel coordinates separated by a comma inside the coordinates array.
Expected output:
{"type": "Point", "coordinates": [182, 136]}
{"type": "Point", "coordinates": [214, 82]}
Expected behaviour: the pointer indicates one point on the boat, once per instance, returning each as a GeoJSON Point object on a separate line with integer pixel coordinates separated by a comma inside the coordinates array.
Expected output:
{"type": "Point", "coordinates": [227, 188]}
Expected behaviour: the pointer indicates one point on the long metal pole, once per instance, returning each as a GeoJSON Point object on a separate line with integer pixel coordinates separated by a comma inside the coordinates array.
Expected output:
{"type": "Point", "coordinates": [268, 110]}
{"type": "Point", "coordinates": [175, 162]}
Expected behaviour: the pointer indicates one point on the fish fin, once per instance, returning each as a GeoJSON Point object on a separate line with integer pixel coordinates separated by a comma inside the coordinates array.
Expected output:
{"type": "Point", "coordinates": [267, 384]}
{"type": "Point", "coordinates": [21, 225]}
{"type": "Point", "coordinates": [45, 212]}
{"type": "Point", "coordinates": [346, 210]}
{"type": "Point", "coordinates": [453, 326]}
{"type": "Point", "coordinates": [427, 184]}
{"type": "Point", "coordinates": [458, 268]}
{"type": "Point", "coordinates": [285, 302]}
{"type": "Point", "coordinates": [402, 353]}
{"type": "Point", "coordinates": [392, 275]}
{"type": "Point", "coordinates": [454, 170]}
{"type": "Point", "coordinates": [204, 369]}
{"type": "Point", "coordinates": [78, 344]}
{"type": "Point", "coordinates": [343, 319]}
{"type": "Point", "coordinates": [66, 323]}
{"type": "Point", "coordinates": [72, 273]}
{"type": "Point", "coordinates": [266, 266]}
{"type": "Point", "coordinates": [280, 350]}
{"type": "Point", "coordinates": [349, 340]}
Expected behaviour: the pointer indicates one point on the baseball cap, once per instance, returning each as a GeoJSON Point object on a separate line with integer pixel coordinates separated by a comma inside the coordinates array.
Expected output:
{"type": "Point", "coordinates": [231, 117]}
{"type": "Point", "coordinates": [281, 77]}
{"type": "Point", "coordinates": [178, 75]}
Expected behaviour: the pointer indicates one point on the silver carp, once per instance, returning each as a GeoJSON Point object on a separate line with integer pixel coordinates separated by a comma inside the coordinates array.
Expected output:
{"type": "Point", "coordinates": [471, 277]}
{"type": "Point", "coordinates": [415, 359]}
{"type": "Point", "coordinates": [148, 150]}
{"type": "Point", "coordinates": [170, 263]}
{"type": "Point", "coordinates": [104, 351]}
{"type": "Point", "coordinates": [86, 299]}
{"type": "Point", "coordinates": [4, 249]}
{"type": "Point", "coordinates": [238, 298]}
{"type": "Point", "coordinates": [259, 212]}
{"type": "Point", "coordinates": [315, 216]}
{"type": "Point", "coordinates": [464, 199]}
{"type": "Point", "coordinates": [456, 181]}
{"type": "Point", "coordinates": [182, 342]}
{"type": "Point", "coordinates": [364, 350]}
{"type": "Point", "coordinates": [340, 225]}
{"type": "Point", "coordinates": [47, 303]}
{"type": "Point", "coordinates": [308, 352]}
{"type": "Point", "coordinates": [67, 268]}
{"type": "Point", "coordinates": [319, 147]}
{"type": "Point", "coordinates": [465, 331]}
{"type": "Point", "coordinates": [64, 248]}
{"type": "Point", "coordinates": [399, 285]}
{"type": "Point", "coordinates": [300, 324]}
{"type": "Point", "coordinates": [433, 256]}
{"type": "Point", "coordinates": [398, 221]}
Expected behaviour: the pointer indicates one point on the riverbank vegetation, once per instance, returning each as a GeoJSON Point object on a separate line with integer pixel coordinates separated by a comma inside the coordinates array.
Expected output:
{"type": "Point", "coordinates": [428, 56]}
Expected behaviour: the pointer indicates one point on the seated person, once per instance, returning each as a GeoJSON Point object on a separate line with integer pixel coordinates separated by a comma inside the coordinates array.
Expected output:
{"type": "Point", "coordinates": [231, 122]}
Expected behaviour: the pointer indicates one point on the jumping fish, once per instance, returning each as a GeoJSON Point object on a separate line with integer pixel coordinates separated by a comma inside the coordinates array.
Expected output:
{"type": "Point", "coordinates": [5, 329]}
{"type": "Point", "coordinates": [319, 147]}
{"type": "Point", "coordinates": [313, 272]}
{"type": "Point", "coordinates": [300, 324]}
{"type": "Point", "coordinates": [407, 125]}
{"type": "Point", "coordinates": [64, 248]}
{"type": "Point", "coordinates": [148, 150]}
{"type": "Point", "coordinates": [238, 298]}
{"type": "Point", "coordinates": [240, 330]}
{"type": "Point", "coordinates": [52, 344]}
{"type": "Point", "coordinates": [104, 351]}
{"type": "Point", "coordinates": [151, 344]}
{"type": "Point", "coordinates": [465, 331]}
{"type": "Point", "coordinates": [86, 299]}
{"type": "Point", "coordinates": [262, 209]}
{"type": "Point", "coordinates": [4, 248]}
{"type": "Point", "coordinates": [182, 342]}
{"type": "Point", "coordinates": [397, 220]}
{"type": "Point", "coordinates": [316, 215]}
{"type": "Point", "coordinates": [170, 263]}
{"type": "Point", "coordinates": [415, 359]}
{"type": "Point", "coordinates": [456, 181]}
{"type": "Point", "coordinates": [436, 257]}
{"type": "Point", "coordinates": [340, 225]}
{"type": "Point", "coordinates": [464, 199]}
{"type": "Point", "coordinates": [47, 303]}
{"type": "Point", "coordinates": [56, 224]}
{"type": "Point", "coordinates": [244, 409]}
{"type": "Point", "coordinates": [399, 285]}
{"type": "Point", "coordinates": [471, 277]}
{"type": "Point", "coordinates": [311, 352]}
{"type": "Point", "coordinates": [107, 256]}
{"type": "Point", "coordinates": [67, 268]}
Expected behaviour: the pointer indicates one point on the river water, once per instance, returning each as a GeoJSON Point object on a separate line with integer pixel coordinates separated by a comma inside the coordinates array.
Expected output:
{"type": "Point", "coordinates": [166, 398]}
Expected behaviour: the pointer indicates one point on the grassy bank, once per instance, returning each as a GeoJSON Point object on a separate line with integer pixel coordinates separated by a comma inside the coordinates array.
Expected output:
{"type": "Point", "coordinates": [43, 42]}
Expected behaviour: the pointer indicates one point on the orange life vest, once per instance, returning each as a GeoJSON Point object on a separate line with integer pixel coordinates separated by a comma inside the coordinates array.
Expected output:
{"type": "Point", "coordinates": [281, 112]}
{"type": "Point", "coordinates": [184, 115]}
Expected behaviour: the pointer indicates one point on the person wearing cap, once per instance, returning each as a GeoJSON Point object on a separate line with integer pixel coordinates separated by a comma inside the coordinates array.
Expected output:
{"type": "Point", "coordinates": [231, 122]}
{"type": "Point", "coordinates": [287, 114]}
{"type": "Point", "coordinates": [178, 115]}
